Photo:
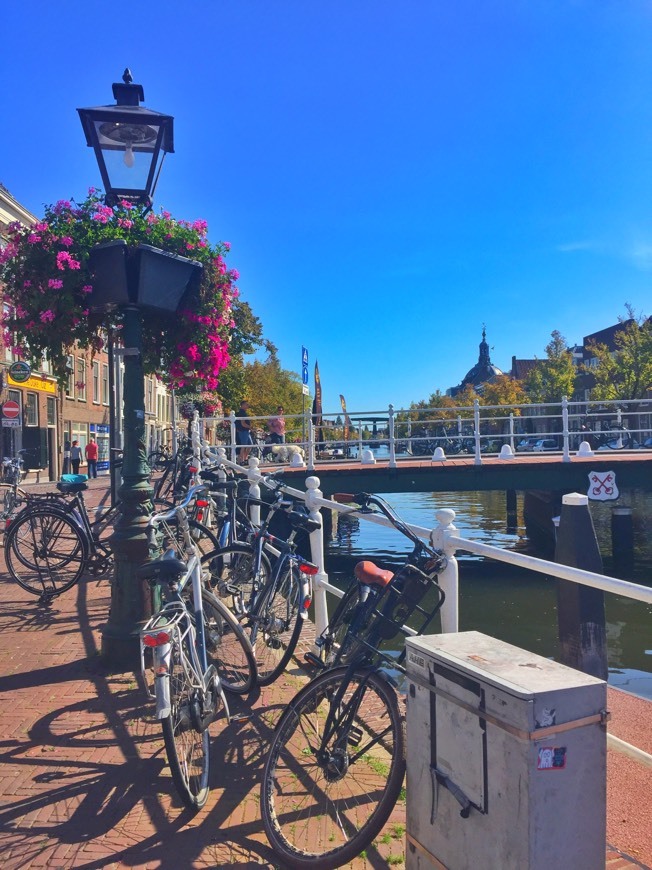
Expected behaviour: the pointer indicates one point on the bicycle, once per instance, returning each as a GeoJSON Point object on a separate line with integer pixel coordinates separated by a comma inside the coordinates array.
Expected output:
{"type": "Point", "coordinates": [271, 601]}
{"type": "Point", "coordinates": [14, 499]}
{"type": "Point", "coordinates": [186, 655]}
{"type": "Point", "coordinates": [336, 762]}
{"type": "Point", "coordinates": [52, 542]}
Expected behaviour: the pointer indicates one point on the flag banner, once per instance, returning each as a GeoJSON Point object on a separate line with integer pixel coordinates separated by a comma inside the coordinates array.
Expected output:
{"type": "Point", "coordinates": [316, 407]}
{"type": "Point", "coordinates": [347, 419]}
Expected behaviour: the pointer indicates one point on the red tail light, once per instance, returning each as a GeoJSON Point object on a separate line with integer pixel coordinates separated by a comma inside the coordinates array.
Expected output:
{"type": "Point", "coordinates": [200, 515]}
{"type": "Point", "coordinates": [156, 639]}
{"type": "Point", "coordinates": [307, 601]}
{"type": "Point", "coordinates": [201, 502]}
{"type": "Point", "coordinates": [192, 469]}
{"type": "Point", "coordinates": [307, 568]}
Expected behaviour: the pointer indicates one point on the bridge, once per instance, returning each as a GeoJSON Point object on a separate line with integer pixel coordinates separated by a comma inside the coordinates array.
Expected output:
{"type": "Point", "coordinates": [522, 472]}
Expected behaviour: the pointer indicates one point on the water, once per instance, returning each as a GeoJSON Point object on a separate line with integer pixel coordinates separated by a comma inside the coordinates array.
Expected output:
{"type": "Point", "coordinates": [514, 604]}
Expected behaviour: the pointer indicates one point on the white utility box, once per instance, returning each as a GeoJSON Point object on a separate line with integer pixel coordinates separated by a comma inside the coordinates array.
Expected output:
{"type": "Point", "coordinates": [506, 758]}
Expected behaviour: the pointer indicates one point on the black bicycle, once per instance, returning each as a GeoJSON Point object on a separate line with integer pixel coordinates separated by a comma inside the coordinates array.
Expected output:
{"type": "Point", "coordinates": [336, 763]}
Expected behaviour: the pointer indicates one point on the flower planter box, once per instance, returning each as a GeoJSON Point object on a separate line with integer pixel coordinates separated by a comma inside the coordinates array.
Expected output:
{"type": "Point", "coordinates": [144, 276]}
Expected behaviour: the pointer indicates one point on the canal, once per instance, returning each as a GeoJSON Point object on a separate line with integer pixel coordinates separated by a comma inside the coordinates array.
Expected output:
{"type": "Point", "coordinates": [514, 605]}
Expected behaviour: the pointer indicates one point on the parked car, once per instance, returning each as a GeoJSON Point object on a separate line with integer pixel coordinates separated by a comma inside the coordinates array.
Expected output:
{"type": "Point", "coordinates": [647, 444]}
{"type": "Point", "coordinates": [545, 444]}
{"type": "Point", "coordinates": [622, 443]}
{"type": "Point", "coordinates": [526, 444]}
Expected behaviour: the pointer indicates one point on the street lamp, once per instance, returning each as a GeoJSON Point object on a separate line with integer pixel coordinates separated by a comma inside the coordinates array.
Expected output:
{"type": "Point", "coordinates": [130, 143]}
{"type": "Point", "coordinates": [131, 279]}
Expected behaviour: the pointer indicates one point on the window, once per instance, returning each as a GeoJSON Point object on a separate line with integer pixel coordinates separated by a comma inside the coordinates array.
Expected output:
{"type": "Point", "coordinates": [70, 386]}
{"type": "Point", "coordinates": [79, 432]}
{"type": "Point", "coordinates": [105, 384]}
{"type": "Point", "coordinates": [31, 409]}
{"type": "Point", "coordinates": [80, 382]}
{"type": "Point", "coordinates": [10, 356]}
{"type": "Point", "coordinates": [96, 382]}
{"type": "Point", "coordinates": [52, 411]}
{"type": "Point", "coordinates": [149, 393]}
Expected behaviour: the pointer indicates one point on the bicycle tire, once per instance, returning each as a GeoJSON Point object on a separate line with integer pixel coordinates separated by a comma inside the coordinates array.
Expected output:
{"type": "Point", "coordinates": [276, 624]}
{"type": "Point", "coordinates": [232, 575]}
{"type": "Point", "coordinates": [13, 500]}
{"type": "Point", "coordinates": [204, 538]}
{"type": "Point", "coordinates": [228, 647]}
{"type": "Point", "coordinates": [158, 461]}
{"type": "Point", "coordinates": [188, 750]}
{"type": "Point", "coordinates": [322, 809]}
{"type": "Point", "coordinates": [45, 546]}
{"type": "Point", "coordinates": [338, 626]}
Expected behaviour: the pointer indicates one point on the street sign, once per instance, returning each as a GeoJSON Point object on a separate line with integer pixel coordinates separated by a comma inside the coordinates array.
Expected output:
{"type": "Point", "coordinates": [20, 372]}
{"type": "Point", "coordinates": [305, 390]}
{"type": "Point", "coordinates": [11, 414]}
{"type": "Point", "coordinates": [304, 356]}
{"type": "Point", "coordinates": [304, 375]}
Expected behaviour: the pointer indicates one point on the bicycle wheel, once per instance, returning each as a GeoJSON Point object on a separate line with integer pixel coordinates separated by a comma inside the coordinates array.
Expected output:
{"type": "Point", "coordinates": [45, 552]}
{"type": "Point", "coordinates": [228, 647]}
{"type": "Point", "coordinates": [158, 461]}
{"type": "Point", "coordinates": [13, 500]}
{"type": "Point", "coordinates": [203, 537]}
{"type": "Point", "coordinates": [339, 624]}
{"type": "Point", "coordinates": [334, 770]}
{"type": "Point", "coordinates": [276, 625]}
{"type": "Point", "coordinates": [232, 575]}
{"type": "Point", "coordinates": [187, 749]}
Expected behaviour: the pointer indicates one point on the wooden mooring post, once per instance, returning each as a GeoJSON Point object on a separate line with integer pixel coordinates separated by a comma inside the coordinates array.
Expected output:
{"type": "Point", "coordinates": [580, 608]}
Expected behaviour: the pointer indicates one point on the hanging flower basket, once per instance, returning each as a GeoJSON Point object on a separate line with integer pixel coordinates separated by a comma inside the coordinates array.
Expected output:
{"type": "Point", "coordinates": [66, 277]}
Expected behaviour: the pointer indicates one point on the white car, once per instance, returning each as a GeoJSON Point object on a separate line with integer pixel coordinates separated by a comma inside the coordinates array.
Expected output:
{"type": "Point", "coordinates": [545, 444]}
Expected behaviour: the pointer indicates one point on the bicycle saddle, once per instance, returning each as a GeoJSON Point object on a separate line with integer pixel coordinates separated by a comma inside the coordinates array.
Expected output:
{"type": "Point", "coordinates": [302, 521]}
{"type": "Point", "coordinates": [163, 570]}
{"type": "Point", "coordinates": [67, 486]}
{"type": "Point", "coordinates": [371, 575]}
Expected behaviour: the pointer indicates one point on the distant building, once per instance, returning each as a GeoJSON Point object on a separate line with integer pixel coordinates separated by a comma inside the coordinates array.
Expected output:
{"type": "Point", "coordinates": [483, 372]}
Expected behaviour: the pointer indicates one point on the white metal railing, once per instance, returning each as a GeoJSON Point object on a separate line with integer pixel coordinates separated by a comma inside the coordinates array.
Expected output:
{"type": "Point", "coordinates": [483, 431]}
{"type": "Point", "coordinates": [444, 536]}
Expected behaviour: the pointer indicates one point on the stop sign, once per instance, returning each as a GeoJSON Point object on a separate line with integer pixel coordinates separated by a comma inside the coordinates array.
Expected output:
{"type": "Point", "coordinates": [11, 410]}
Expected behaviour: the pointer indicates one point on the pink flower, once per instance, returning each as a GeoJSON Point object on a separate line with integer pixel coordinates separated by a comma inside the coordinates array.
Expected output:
{"type": "Point", "coordinates": [64, 259]}
{"type": "Point", "coordinates": [87, 288]}
{"type": "Point", "coordinates": [27, 284]}
{"type": "Point", "coordinates": [124, 222]}
{"type": "Point", "coordinates": [126, 204]}
{"type": "Point", "coordinates": [227, 246]}
{"type": "Point", "coordinates": [54, 284]}
{"type": "Point", "coordinates": [47, 316]}
{"type": "Point", "coordinates": [66, 240]}
{"type": "Point", "coordinates": [33, 238]}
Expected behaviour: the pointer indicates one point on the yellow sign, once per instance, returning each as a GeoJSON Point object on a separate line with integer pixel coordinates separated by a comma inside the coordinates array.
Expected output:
{"type": "Point", "coordinates": [34, 383]}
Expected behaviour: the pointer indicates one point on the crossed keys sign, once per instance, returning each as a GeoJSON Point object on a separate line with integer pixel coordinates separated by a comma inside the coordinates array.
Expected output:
{"type": "Point", "coordinates": [602, 485]}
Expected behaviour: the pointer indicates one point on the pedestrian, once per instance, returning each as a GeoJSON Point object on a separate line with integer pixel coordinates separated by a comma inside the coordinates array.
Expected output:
{"type": "Point", "coordinates": [91, 457]}
{"type": "Point", "coordinates": [75, 456]}
{"type": "Point", "coordinates": [243, 430]}
{"type": "Point", "coordinates": [66, 457]}
{"type": "Point", "coordinates": [276, 426]}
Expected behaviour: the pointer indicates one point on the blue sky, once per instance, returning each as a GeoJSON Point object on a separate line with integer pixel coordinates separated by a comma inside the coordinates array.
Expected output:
{"type": "Point", "coordinates": [391, 175]}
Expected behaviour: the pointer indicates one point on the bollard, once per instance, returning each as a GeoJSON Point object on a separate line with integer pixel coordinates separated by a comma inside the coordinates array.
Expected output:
{"type": "Point", "coordinates": [580, 609]}
{"type": "Point", "coordinates": [622, 538]}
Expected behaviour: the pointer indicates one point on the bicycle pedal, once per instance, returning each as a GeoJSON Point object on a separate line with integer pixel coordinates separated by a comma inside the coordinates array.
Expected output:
{"type": "Point", "coordinates": [313, 660]}
{"type": "Point", "coordinates": [355, 736]}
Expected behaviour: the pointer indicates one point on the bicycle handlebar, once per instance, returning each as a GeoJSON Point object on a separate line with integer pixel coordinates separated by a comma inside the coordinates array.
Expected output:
{"type": "Point", "coordinates": [164, 516]}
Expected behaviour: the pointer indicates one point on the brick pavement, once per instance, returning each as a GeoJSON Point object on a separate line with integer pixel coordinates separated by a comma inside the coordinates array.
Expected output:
{"type": "Point", "coordinates": [84, 781]}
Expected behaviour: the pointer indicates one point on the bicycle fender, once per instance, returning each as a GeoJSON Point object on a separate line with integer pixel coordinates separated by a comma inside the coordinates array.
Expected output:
{"type": "Point", "coordinates": [162, 680]}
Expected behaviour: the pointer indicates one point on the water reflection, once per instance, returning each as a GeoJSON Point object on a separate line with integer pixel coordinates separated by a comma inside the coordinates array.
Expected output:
{"type": "Point", "coordinates": [514, 605]}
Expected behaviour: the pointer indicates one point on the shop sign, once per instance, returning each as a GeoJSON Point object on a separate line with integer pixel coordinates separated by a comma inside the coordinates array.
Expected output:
{"type": "Point", "coordinates": [20, 372]}
{"type": "Point", "coordinates": [36, 382]}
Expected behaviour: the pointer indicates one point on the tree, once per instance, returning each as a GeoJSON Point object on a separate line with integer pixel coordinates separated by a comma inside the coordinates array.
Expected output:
{"type": "Point", "coordinates": [626, 371]}
{"type": "Point", "coordinates": [268, 386]}
{"type": "Point", "coordinates": [506, 392]}
{"type": "Point", "coordinates": [552, 378]}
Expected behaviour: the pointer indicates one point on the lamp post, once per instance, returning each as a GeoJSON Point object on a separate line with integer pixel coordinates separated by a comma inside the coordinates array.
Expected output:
{"type": "Point", "coordinates": [130, 143]}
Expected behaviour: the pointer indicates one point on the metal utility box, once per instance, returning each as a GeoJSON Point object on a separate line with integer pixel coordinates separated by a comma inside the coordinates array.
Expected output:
{"type": "Point", "coordinates": [506, 758]}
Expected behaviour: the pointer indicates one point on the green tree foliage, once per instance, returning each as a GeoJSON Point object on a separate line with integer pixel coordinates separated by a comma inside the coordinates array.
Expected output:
{"type": "Point", "coordinates": [506, 392]}
{"type": "Point", "coordinates": [626, 372]}
{"type": "Point", "coordinates": [554, 377]}
{"type": "Point", "coordinates": [267, 385]}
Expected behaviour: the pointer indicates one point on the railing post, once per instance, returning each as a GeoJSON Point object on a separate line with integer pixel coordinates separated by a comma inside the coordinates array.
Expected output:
{"type": "Point", "coordinates": [443, 538]}
{"type": "Point", "coordinates": [511, 430]}
{"type": "Point", "coordinates": [234, 455]}
{"type": "Point", "coordinates": [392, 441]}
{"type": "Point", "coordinates": [565, 430]}
{"type": "Point", "coordinates": [476, 431]}
{"type": "Point", "coordinates": [195, 440]}
{"type": "Point", "coordinates": [253, 474]}
{"type": "Point", "coordinates": [317, 555]}
{"type": "Point", "coordinates": [311, 445]}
